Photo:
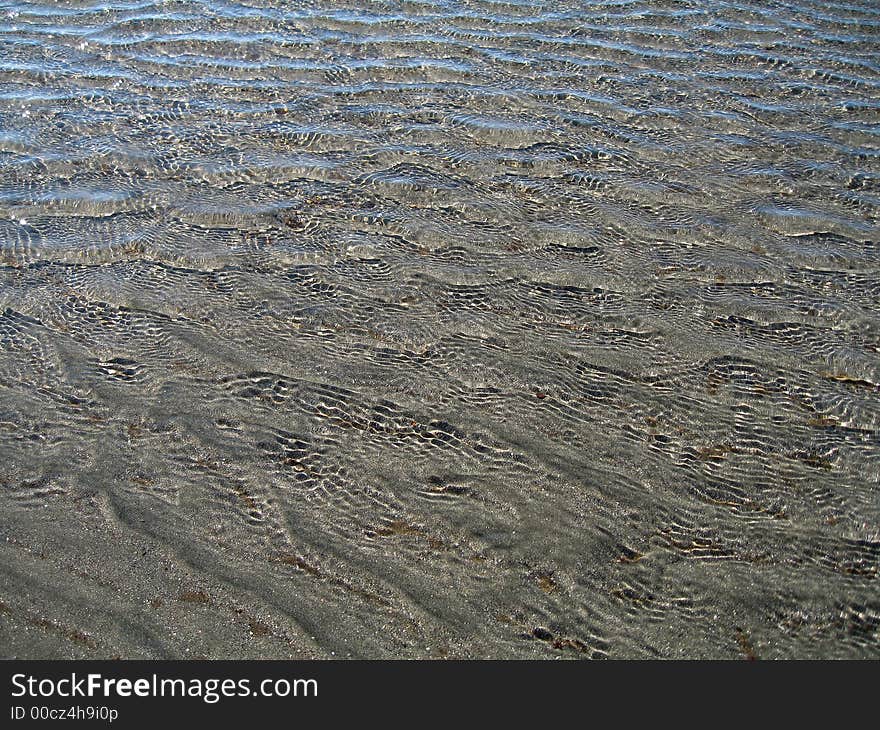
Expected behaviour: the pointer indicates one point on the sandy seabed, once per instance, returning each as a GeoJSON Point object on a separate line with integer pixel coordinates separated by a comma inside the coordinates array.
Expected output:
{"type": "Point", "coordinates": [439, 329]}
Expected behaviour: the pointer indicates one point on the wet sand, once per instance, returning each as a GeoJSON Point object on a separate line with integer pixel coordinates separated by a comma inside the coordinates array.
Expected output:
{"type": "Point", "coordinates": [439, 329]}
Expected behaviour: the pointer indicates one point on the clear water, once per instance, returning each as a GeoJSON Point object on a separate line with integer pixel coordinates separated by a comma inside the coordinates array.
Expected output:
{"type": "Point", "coordinates": [439, 329]}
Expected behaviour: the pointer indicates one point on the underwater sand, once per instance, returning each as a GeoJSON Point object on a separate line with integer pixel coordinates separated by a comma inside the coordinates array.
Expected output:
{"type": "Point", "coordinates": [439, 329]}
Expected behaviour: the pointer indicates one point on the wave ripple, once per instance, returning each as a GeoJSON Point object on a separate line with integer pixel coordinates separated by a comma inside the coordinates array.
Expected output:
{"type": "Point", "coordinates": [439, 328]}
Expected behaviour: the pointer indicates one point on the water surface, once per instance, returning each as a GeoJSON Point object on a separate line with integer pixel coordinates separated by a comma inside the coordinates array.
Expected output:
{"type": "Point", "coordinates": [439, 329]}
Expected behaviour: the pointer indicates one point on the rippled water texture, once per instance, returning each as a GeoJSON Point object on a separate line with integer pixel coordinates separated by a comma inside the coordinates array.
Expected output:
{"type": "Point", "coordinates": [466, 329]}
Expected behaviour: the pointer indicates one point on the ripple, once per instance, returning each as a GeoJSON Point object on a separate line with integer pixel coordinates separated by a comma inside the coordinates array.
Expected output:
{"type": "Point", "coordinates": [447, 329]}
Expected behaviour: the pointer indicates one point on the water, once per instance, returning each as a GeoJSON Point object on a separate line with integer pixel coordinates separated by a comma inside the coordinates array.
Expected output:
{"type": "Point", "coordinates": [439, 329]}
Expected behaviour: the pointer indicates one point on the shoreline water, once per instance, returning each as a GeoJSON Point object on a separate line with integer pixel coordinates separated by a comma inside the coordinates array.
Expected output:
{"type": "Point", "coordinates": [439, 330]}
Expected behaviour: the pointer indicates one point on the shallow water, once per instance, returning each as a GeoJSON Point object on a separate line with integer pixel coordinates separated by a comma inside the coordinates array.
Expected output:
{"type": "Point", "coordinates": [467, 329]}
